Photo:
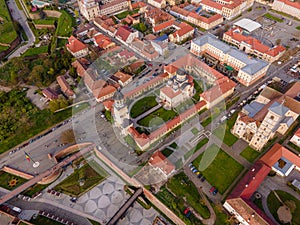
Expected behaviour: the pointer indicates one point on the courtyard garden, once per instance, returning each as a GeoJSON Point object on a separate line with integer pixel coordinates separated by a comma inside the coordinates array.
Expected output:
{"type": "Point", "coordinates": [223, 131]}
{"type": "Point", "coordinates": [82, 180]}
{"type": "Point", "coordinates": [142, 105]}
{"type": "Point", "coordinates": [272, 17]}
{"type": "Point", "coordinates": [10, 181]}
{"type": "Point", "coordinates": [157, 118]}
{"type": "Point", "coordinates": [250, 154]}
{"type": "Point", "coordinates": [223, 169]}
{"type": "Point", "coordinates": [123, 15]}
{"type": "Point", "coordinates": [7, 30]}
{"type": "Point", "coordinates": [290, 212]}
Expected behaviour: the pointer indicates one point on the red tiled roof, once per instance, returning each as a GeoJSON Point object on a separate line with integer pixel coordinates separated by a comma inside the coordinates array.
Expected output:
{"type": "Point", "coordinates": [65, 87]}
{"type": "Point", "coordinates": [295, 4]}
{"type": "Point", "coordinates": [104, 91]}
{"type": "Point", "coordinates": [236, 34]}
{"type": "Point", "coordinates": [278, 151]}
{"type": "Point", "coordinates": [168, 91]}
{"type": "Point", "coordinates": [160, 161]}
{"type": "Point", "coordinates": [125, 53]}
{"type": "Point", "coordinates": [79, 68]}
{"type": "Point", "coordinates": [184, 29]}
{"type": "Point", "coordinates": [222, 86]}
{"type": "Point", "coordinates": [50, 94]}
{"type": "Point", "coordinates": [108, 104]}
{"type": "Point", "coordinates": [123, 32]}
{"type": "Point", "coordinates": [75, 45]}
{"type": "Point", "coordinates": [137, 5]}
{"type": "Point", "coordinates": [103, 41]}
{"type": "Point", "coordinates": [251, 181]}
{"type": "Point", "coordinates": [163, 26]}
{"type": "Point", "coordinates": [122, 76]}
{"type": "Point", "coordinates": [297, 133]}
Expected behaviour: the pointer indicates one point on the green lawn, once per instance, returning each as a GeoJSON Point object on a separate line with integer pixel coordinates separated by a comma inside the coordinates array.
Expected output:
{"type": "Point", "coordinates": [199, 145]}
{"type": "Point", "coordinates": [122, 15]}
{"type": "Point", "coordinates": [167, 152]}
{"type": "Point", "coordinates": [176, 204]}
{"type": "Point", "coordinates": [91, 173]}
{"type": "Point", "coordinates": [272, 17]}
{"type": "Point", "coordinates": [65, 24]}
{"type": "Point", "coordinates": [34, 189]}
{"type": "Point", "coordinates": [298, 27]}
{"type": "Point", "coordinates": [174, 145]}
{"type": "Point", "coordinates": [3, 48]}
{"type": "Point", "coordinates": [46, 21]}
{"type": "Point", "coordinates": [157, 117]}
{"type": "Point", "coordinates": [294, 146]}
{"type": "Point", "coordinates": [41, 220]}
{"type": "Point", "coordinates": [182, 187]}
{"type": "Point", "coordinates": [274, 204]}
{"type": "Point", "coordinates": [5, 178]}
{"type": "Point", "coordinates": [227, 137]}
{"type": "Point", "coordinates": [223, 169]}
{"type": "Point", "coordinates": [7, 30]}
{"type": "Point", "coordinates": [250, 154]}
{"type": "Point", "coordinates": [61, 42]}
{"type": "Point", "coordinates": [258, 203]}
{"type": "Point", "coordinates": [36, 51]}
{"type": "Point", "coordinates": [142, 105]}
{"type": "Point", "coordinates": [195, 131]}
{"type": "Point", "coordinates": [94, 222]}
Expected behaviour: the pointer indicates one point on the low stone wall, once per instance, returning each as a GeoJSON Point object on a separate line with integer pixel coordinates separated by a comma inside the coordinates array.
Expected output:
{"type": "Point", "coordinates": [71, 149]}
{"type": "Point", "coordinates": [44, 26]}
{"type": "Point", "coordinates": [52, 13]}
{"type": "Point", "coordinates": [17, 172]}
{"type": "Point", "coordinates": [52, 177]}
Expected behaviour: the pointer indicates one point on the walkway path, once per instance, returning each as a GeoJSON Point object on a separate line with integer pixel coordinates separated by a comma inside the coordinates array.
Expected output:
{"type": "Point", "coordinates": [145, 114]}
{"type": "Point", "coordinates": [19, 16]}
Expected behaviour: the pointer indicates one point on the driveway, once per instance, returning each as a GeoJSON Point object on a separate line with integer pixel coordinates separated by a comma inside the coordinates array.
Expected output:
{"type": "Point", "coordinates": [18, 15]}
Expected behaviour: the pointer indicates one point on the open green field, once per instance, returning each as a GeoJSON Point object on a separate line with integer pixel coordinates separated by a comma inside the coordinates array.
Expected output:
{"type": "Point", "coordinates": [222, 171]}
{"type": "Point", "coordinates": [182, 187]}
{"type": "Point", "coordinates": [7, 30]}
{"type": "Point", "coordinates": [91, 173]}
{"type": "Point", "coordinates": [41, 220]}
{"type": "Point", "coordinates": [65, 25]}
{"type": "Point", "coordinates": [250, 154]}
{"type": "Point", "coordinates": [36, 51]}
{"type": "Point", "coordinates": [298, 27]}
{"type": "Point", "coordinates": [142, 105]}
{"type": "Point", "coordinates": [5, 178]}
{"type": "Point", "coordinates": [274, 204]}
{"type": "Point", "coordinates": [157, 117]}
{"type": "Point", "coordinates": [272, 17]}
{"type": "Point", "coordinates": [227, 137]}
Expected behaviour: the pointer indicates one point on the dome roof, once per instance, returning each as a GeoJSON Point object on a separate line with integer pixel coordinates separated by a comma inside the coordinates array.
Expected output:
{"type": "Point", "coordinates": [181, 72]}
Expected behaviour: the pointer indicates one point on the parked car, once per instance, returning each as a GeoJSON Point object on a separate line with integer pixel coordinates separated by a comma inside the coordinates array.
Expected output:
{"type": "Point", "coordinates": [212, 189]}
{"type": "Point", "coordinates": [190, 165]}
{"type": "Point", "coordinates": [215, 191]}
{"type": "Point", "coordinates": [194, 170]}
{"type": "Point", "coordinates": [203, 179]}
{"type": "Point", "coordinates": [199, 175]}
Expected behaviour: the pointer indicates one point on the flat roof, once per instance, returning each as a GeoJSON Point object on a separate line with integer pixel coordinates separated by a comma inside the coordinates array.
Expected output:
{"type": "Point", "coordinates": [247, 24]}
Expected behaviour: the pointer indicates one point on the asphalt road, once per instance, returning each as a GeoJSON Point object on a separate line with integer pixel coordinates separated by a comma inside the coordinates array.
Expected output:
{"type": "Point", "coordinates": [19, 16]}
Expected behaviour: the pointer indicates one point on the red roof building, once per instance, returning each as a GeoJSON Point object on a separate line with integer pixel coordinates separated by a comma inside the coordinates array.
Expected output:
{"type": "Point", "coordinates": [185, 31]}
{"type": "Point", "coordinates": [287, 6]}
{"type": "Point", "coordinates": [239, 203]}
{"type": "Point", "coordinates": [50, 94]}
{"type": "Point", "coordinates": [76, 47]}
{"type": "Point", "coordinates": [160, 162]}
{"type": "Point", "coordinates": [126, 34]}
{"type": "Point", "coordinates": [65, 87]}
{"type": "Point", "coordinates": [103, 42]}
{"type": "Point", "coordinates": [252, 45]}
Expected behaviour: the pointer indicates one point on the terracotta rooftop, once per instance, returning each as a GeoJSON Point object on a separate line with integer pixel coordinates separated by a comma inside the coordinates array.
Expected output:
{"type": "Point", "coordinates": [160, 161]}
{"type": "Point", "coordinates": [125, 53]}
{"type": "Point", "coordinates": [103, 41]}
{"type": "Point", "coordinates": [104, 91]}
{"type": "Point", "coordinates": [108, 104]}
{"type": "Point", "coordinates": [184, 29]}
{"type": "Point", "coordinates": [65, 87]}
{"type": "Point", "coordinates": [168, 91]}
{"type": "Point", "coordinates": [163, 26]}
{"type": "Point", "coordinates": [295, 4]}
{"type": "Point", "coordinates": [50, 94]}
{"type": "Point", "coordinates": [297, 133]}
{"type": "Point", "coordinates": [123, 77]}
{"type": "Point", "coordinates": [138, 5]}
{"type": "Point", "coordinates": [75, 45]}
{"type": "Point", "coordinates": [277, 152]}
{"type": "Point", "coordinates": [123, 32]}
{"type": "Point", "coordinates": [221, 87]}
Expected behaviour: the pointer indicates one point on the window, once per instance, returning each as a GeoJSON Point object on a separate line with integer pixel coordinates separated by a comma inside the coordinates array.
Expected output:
{"type": "Point", "coordinates": [272, 117]}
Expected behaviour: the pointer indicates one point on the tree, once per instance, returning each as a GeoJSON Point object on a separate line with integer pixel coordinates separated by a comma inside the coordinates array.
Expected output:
{"type": "Point", "coordinates": [68, 136]}
{"type": "Point", "coordinates": [278, 41]}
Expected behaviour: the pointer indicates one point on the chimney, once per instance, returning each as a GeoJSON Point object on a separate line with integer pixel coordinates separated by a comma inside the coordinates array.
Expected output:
{"type": "Point", "coordinates": [253, 169]}
{"type": "Point", "coordinates": [252, 214]}
{"type": "Point", "coordinates": [253, 178]}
